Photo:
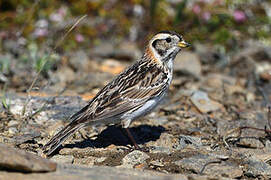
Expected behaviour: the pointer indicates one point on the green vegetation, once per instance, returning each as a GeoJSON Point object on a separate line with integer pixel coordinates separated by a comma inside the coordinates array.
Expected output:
{"type": "Point", "coordinates": [37, 25]}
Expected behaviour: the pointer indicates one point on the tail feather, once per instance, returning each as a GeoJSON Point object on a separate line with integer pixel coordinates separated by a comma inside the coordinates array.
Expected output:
{"type": "Point", "coordinates": [61, 136]}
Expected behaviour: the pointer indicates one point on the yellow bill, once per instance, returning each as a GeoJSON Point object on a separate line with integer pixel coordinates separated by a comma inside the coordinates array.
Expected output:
{"type": "Point", "coordinates": [183, 44]}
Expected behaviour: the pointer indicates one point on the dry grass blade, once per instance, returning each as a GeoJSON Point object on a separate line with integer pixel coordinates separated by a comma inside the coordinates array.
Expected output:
{"type": "Point", "coordinates": [47, 57]}
{"type": "Point", "coordinates": [67, 33]}
{"type": "Point", "coordinates": [4, 99]}
{"type": "Point", "coordinates": [269, 115]}
{"type": "Point", "coordinates": [226, 136]}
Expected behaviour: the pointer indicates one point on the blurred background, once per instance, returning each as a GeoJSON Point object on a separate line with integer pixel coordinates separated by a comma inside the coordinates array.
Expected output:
{"type": "Point", "coordinates": [56, 55]}
{"type": "Point", "coordinates": [113, 35]}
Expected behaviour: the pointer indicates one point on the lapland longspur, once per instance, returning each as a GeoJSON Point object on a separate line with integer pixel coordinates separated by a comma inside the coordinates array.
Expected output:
{"type": "Point", "coordinates": [133, 93]}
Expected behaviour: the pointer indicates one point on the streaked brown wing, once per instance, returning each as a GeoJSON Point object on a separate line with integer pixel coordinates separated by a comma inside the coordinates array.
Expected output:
{"type": "Point", "coordinates": [130, 91]}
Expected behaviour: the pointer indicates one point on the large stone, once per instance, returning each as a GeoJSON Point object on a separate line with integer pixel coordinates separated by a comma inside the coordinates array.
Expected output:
{"type": "Point", "coordinates": [17, 160]}
{"type": "Point", "coordinates": [70, 172]}
{"type": "Point", "coordinates": [210, 165]}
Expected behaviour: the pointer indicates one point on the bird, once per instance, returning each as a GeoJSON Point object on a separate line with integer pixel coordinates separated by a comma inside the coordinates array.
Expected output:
{"type": "Point", "coordinates": [132, 94]}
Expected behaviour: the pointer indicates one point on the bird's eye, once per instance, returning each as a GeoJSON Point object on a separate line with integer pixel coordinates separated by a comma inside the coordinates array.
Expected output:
{"type": "Point", "coordinates": [168, 40]}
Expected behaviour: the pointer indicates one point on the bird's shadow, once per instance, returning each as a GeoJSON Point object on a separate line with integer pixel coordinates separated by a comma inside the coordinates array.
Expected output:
{"type": "Point", "coordinates": [117, 136]}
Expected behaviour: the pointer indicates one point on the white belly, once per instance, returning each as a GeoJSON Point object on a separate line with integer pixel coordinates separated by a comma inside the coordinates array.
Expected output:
{"type": "Point", "coordinates": [145, 109]}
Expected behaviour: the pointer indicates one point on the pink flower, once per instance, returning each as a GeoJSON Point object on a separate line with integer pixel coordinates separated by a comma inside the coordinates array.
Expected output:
{"type": "Point", "coordinates": [41, 28]}
{"type": "Point", "coordinates": [206, 16]}
{"type": "Point", "coordinates": [40, 32]}
{"type": "Point", "coordinates": [3, 34]}
{"type": "Point", "coordinates": [56, 17]}
{"type": "Point", "coordinates": [62, 11]}
{"type": "Point", "coordinates": [196, 9]}
{"type": "Point", "coordinates": [79, 38]}
{"type": "Point", "coordinates": [42, 23]}
{"type": "Point", "coordinates": [59, 15]}
{"type": "Point", "coordinates": [239, 16]}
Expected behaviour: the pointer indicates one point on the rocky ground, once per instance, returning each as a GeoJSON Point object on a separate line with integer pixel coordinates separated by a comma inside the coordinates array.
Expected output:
{"type": "Point", "coordinates": [214, 124]}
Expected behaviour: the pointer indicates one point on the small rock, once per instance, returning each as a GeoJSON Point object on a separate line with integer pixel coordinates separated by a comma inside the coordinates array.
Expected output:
{"type": "Point", "coordinates": [17, 160]}
{"type": "Point", "coordinates": [62, 76]}
{"type": "Point", "coordinates": [12, 130]}
{"type": "Point", "coordinates": [202, 102]}
{"type": "Point", "coordinates": [3, 78]}
{"type": "Point", "coordinates": [134, 158]}
{"type": "Point", "coordinates": [251, 142]}
{"type": "Point", "coordinates": [165, 142]}
{"type": "Point", "coordinates": [12, 123]}
{"type": "Point", "coordinates": [88, 161]}
{"type": "Point", "coordinates": [189, 141]}
{"type": "Point", "coordinates": [257, 168]}
{"type": "Point", "coordinates": [159, 149]}
{"type": "Point", "coordinates": [158, 120]}
{"type": "Point", "coordinates": [264, 157]}
{"type": "Point", "coordinates": [217, 80]}
{"type": "Point", "coordinates": [68, 159]}
{"type": "Point", "coordinates": [194, 163]}
{"type": "Point", "coordinates": [157, 163]}
{"type": "Point", "coordinates": [79, 60]}
{"type": "Point", "coordinates": [268, 145]}
{"type": "Point", "coordinates": [26, 137]}
{"type": "Point", "coordinates": [210, 165]}
{"type": "Point", "coordinates": [16, 108]}
{"type": "Point", "coordinates": [188, 62]}
{"type": "Point", "coordinates": [263, 70]}
{"type": "Point", "coordinates": [101, 159]}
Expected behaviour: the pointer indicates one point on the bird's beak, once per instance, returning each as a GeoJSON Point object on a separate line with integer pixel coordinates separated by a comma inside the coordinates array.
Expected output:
{"type": "Point", "coordinates": [183, 44]}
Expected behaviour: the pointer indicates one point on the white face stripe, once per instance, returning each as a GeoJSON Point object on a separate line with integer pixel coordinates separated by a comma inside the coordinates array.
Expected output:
{"type": "Point", "coordinates": [160, 36]}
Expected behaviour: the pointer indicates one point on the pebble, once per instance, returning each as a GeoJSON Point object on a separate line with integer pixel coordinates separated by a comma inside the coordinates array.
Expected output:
{"type": "Point", "coordinates": [12, 130]}
{"type": "Point", "coordinates": [12, 123]}
{"type": "Point", "coordinates": [68, 159]}
{"type": "Point", "coordinates": [79, 60]}
{"type": "Point", "coordinates": [134, 158]}
{"type": "Point", "coordinates": [88, 161]}
{"type": "Point", "coordinates": [101, 159]}
{"type": "Point", "coordinates": [188, 141]}
{"type": "Point", "coordinates": [159, 149]}
{"type": "Point", "coordinates": [263, 70]}
{"type": "Point", "coordinates": [201, 100]}
{"type": "Point", "coordinates": [257, 168]}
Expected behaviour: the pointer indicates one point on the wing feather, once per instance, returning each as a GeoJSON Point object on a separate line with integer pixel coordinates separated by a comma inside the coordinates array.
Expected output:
{"type": "Point", "coordinates": [126, 93]}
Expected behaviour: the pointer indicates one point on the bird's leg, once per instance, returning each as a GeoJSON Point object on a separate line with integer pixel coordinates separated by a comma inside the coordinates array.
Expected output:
{"type": "Point", "coordinates": [132, 138]}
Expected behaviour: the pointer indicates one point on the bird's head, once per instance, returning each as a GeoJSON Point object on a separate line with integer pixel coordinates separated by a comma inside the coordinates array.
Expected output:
{"type": "Point", "coordinates": [165, 45]}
